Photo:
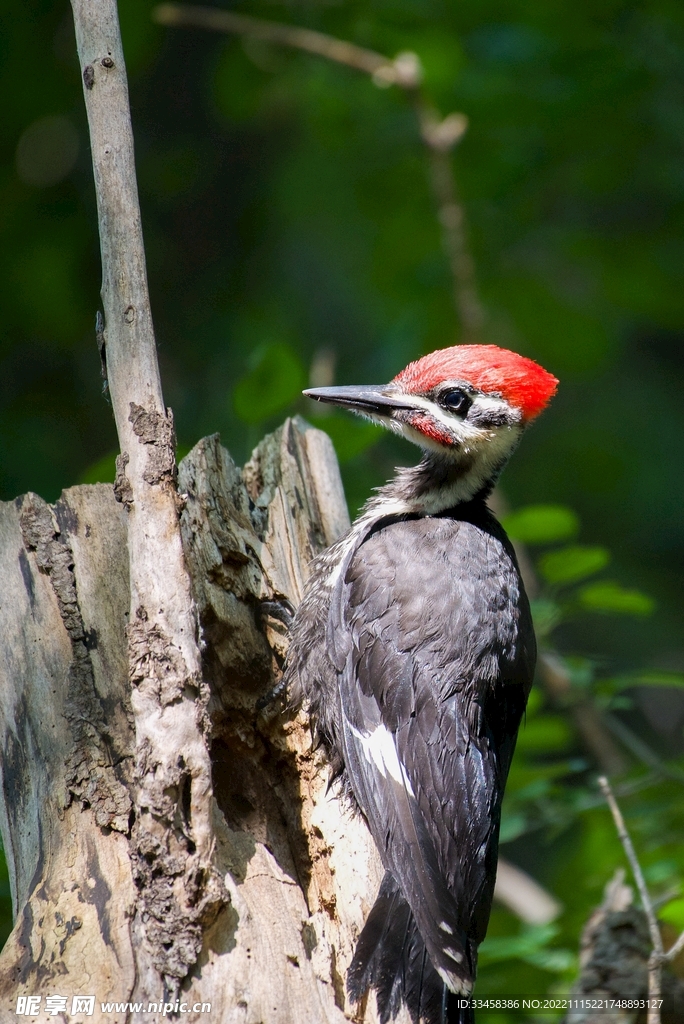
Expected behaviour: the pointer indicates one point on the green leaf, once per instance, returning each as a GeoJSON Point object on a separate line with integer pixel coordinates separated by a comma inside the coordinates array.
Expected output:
{"type": "Point", "coordinates": [555, 960]}
{"type": "Point", "coordinates": [574, 563]}
{"type": "Point", "coordinates": [617, 683]}
{"type": "Point", "coordinates": [275, 380]}
{"type": "Point", "coordinates": [606, 596]}
{"type": "Point", "coordinates": [531, 941]}
{"type": "Point", "coordinates": [350, 436]}
{"type": "Point", "coordinates": [531, 945]}
{"type": "Point", "coordinates": [675, 679]}
{"type": "Point", "coordinates": [673, 913]}
{"type": "Point", "coordinates": [661, 872]}
{"type": "Point", "coordinates": [581, 670]}
{"type": "Point", "coordinates": [541, 524]}
{"type": "Point", "coordinates": [546, 615]}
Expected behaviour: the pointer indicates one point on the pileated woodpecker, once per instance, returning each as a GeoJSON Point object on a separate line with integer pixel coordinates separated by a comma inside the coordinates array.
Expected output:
{"type": "Point", "coordinates": [413, 650]}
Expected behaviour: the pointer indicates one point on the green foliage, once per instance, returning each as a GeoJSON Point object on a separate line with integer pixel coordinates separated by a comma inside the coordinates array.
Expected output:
{"type": "Point", "coordinates": [531, 945]}
{"type": "Point", "coordinates": [673, 913]}
{"type": "Point", "coordinates": [674, 679]}
{"type": "Point", "coordinates": [568, 565]}
{"type": "Point", "coordinates": [546, 615]}
{"type": "Point", "coordinates": [607, 596]}
{"type": "Point", "coordinates": [541, 524]}
{"type": "Point", "coordinates": [546, 732]}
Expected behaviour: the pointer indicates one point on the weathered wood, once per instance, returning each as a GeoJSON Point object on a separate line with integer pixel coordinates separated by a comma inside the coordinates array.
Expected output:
{"type": "Point", "coordinates": [67, 743]}
{"type": "Point", "coordinates": [300, 870]}
{"type": "Point", "coordinates": [179, 890]}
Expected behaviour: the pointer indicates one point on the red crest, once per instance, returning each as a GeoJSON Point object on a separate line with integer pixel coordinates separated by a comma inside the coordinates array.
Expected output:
{"type": "Point", "coordinates": [521, 381]}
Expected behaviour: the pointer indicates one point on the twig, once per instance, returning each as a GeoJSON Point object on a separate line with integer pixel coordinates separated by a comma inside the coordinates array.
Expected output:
{"type": "Point", "coordinates": [674, 951]}
{"type": "Point", "coordinates": [657, 957]}
{"type": "Point", "coordinates": [641, 749]}
{"type": "Point", "coordinates": [384, 71]}
{"type": "Point", "coordinates": [168, 697]}
{"type": "Point", "coordinates": [439, 135]}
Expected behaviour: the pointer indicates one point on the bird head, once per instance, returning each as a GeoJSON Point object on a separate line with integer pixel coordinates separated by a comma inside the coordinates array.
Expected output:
{"type": "Point", "coordinates": [466, 406]}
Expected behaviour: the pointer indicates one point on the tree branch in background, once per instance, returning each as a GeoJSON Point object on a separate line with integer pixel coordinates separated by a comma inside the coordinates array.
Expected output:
{"type": "Point", "coordinates": [586, 715]}
{"type": "Point", "coordinates": [658, 955]}
{"type": "Point", "coordinates": [322, 45]}
{"type": "Point", "coordinates": [439, 135]}
{"type": "Point", "coordinates": [523, 895]}
{"type": "Point", "coordinates": [179, 890]}
{"type": "Point", "coordinates": [641, 750]}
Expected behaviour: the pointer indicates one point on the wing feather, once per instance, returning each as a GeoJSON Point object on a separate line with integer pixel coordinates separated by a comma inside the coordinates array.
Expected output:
{"type": "Point", "coordinates": [434, 661]}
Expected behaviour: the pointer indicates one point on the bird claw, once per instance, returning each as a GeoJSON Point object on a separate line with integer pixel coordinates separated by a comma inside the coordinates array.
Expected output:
{"type": "Point", "coordinates": [281, 609]}
{"type": "Point", "coordinates": [268, 698]}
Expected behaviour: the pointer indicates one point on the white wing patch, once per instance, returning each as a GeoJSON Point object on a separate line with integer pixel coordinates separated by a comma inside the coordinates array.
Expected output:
{"type": "Point", "coordinates": [454, 982]}
{"type": "Point", "coordinates": [379, 749]}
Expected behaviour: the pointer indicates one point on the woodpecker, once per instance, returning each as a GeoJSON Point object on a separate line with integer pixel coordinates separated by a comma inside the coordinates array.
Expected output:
{"type": "Point", "coordinates": [414, 652]}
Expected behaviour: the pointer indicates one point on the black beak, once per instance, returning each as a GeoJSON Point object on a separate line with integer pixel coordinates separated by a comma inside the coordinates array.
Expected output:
{"type": "Point", "coordinates": [364, 398]}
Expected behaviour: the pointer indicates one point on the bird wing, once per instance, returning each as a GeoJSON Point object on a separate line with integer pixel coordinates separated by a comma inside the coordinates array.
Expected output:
{"type": "Point", "coordinates": [434, 658]}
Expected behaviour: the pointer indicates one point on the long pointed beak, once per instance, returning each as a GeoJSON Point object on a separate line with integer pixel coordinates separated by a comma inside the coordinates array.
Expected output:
{"type": "Point", "coordinates": [363, 398]}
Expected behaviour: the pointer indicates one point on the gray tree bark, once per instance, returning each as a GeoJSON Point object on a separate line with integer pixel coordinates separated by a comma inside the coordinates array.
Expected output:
{"type": "Point", "coordinates": [298, 872]}
{"type": "Point", "coordinates": [179, 888]}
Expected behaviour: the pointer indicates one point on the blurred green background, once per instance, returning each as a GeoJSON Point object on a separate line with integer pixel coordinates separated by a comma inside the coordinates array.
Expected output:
{"type": "Point", "coordinates": [291, 231]}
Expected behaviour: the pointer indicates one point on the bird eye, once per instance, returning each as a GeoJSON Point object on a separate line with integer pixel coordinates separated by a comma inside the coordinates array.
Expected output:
{"type": "Point", "coordinates": [456, 401]}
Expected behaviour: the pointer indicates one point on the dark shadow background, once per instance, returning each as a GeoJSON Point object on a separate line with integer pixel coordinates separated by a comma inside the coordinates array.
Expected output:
{"type": "Point", "coordinates": [289, 222]}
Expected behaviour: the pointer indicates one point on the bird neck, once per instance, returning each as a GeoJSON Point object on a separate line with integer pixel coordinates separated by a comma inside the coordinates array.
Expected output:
{"type": "Point", "coordinates": [437, 483]}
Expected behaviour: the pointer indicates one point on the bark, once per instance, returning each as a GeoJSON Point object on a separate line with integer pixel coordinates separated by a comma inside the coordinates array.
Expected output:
{"type": "Point", "coordinates": [300, 872]}
{"type": "Point", "coordinates": [180, 889]}
{"type": "Point", "coordinates": [614, 956]}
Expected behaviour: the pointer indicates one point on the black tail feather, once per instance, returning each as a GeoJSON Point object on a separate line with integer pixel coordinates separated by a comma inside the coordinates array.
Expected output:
{"type": "Point", "coordinates": [390, 957]}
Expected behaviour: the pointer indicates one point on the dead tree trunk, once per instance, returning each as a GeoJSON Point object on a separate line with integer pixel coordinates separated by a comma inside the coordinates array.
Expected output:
{"type": "Point", "coordinates": [167, 843]}
{"type": "Point", "coordinates": [300, 872]}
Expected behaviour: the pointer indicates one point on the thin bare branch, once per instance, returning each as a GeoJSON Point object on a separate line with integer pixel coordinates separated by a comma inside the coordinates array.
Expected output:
{"type": "Point", "coordinates": [439, 135]}
{"type": "Point", "coordinates": [586, 715]}
{"type": "Point", "coordinates": [628, 847]}
{"type": "Point", "coordinates": [338, 50]}
{"type": "Point", "coordinates": [674, 951]}
{"type": "Point", "coordinates": [173, 770]}
{"type": "Point", "coordinates": [452, 220]}
{"type": "Point", "coordinates": [655, 961]}
{"type": "Point", "coordinates": [641, 750]}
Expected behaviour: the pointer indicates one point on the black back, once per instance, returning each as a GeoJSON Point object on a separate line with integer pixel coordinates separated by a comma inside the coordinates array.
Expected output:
{"type": "Point", "coordinates": [429, 642]}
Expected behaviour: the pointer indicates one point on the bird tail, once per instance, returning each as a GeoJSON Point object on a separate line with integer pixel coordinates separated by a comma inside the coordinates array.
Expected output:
{"type": "Point", "coordinates": [391, 957]}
